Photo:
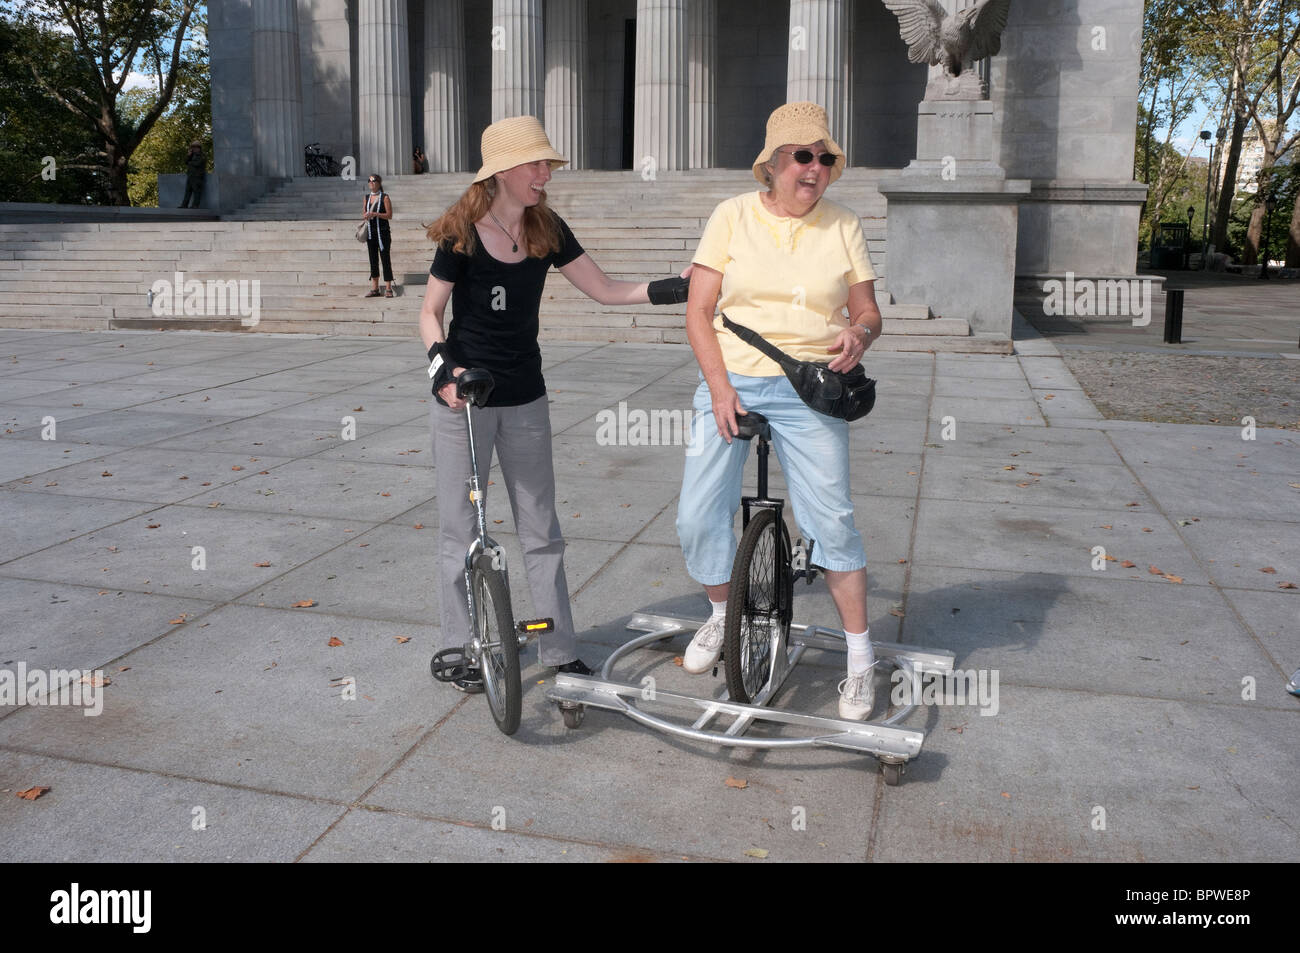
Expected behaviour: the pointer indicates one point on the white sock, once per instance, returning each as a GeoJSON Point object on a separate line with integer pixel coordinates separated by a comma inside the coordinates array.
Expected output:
{"type": "Point", "coordinates": [861, 656]}
{"type": "Point", "coordinates": [719, 610]}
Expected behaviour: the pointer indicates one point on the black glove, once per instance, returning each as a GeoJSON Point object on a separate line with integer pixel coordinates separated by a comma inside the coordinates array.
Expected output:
{"type": "Point", "coordinates": [669, 290]}
{"type": "Point", "coordinates": [440, 368]}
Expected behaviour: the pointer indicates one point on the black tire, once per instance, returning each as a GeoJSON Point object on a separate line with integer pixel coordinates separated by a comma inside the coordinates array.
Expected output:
{"type": "Point", "coordinates": [572, 716]}
{"type": "Point", "coordinates": [499, 652]}
{"type": "Point", "coordinates": [758, 605]}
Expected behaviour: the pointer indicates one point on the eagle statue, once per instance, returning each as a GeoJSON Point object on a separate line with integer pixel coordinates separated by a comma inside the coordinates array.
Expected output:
{"type": "Point", "coordinates": [956, 41]}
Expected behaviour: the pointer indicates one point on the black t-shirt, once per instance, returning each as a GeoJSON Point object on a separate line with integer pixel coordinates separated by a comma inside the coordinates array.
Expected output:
{"type": "Point", "coordinates": [494, 315]}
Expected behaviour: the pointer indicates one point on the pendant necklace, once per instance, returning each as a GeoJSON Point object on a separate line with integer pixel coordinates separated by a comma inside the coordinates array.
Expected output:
{"type": "Point", "coordinates": [515, 246]}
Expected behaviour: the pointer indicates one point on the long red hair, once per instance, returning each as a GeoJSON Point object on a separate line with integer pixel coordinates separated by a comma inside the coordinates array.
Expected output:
{"type": "Point", "coordinates": [539, 233]}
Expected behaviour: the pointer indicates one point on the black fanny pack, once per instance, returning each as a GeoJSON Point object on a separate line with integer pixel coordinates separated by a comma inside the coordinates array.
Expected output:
{"type": "Point", "coordinates": [846, 395]}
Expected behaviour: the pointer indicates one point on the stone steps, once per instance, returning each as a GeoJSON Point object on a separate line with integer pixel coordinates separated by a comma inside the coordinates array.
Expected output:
{"type": "Point", "coordinates": [298, 244]}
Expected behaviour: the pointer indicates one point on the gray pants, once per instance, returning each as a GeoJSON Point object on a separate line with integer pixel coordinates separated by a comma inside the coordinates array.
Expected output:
{"type": "Point", "coordinates": [521, 437]}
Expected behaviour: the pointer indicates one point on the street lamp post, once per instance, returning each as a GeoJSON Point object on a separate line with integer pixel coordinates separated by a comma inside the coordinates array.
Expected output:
{"type": "Point", "coordinates": [1187, 246]}
{"type": "Point", "coordinates": [1270, 203]}
{"type": "Point", "coordinates": [1205, 224]}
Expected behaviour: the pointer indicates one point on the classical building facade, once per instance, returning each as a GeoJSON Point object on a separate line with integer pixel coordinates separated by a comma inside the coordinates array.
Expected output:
{"type": "Point", "coordinates": [684, 84]}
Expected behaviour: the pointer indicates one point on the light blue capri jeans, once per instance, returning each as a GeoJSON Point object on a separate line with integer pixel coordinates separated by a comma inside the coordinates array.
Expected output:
{"type": "Point", "coordinates": [813, 450]}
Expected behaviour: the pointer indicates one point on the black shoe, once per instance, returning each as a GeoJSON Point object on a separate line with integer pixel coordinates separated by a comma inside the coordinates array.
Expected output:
{"type": "Point", "coordinates": [576, 667]}
{"type": "Point", "coordinates": [471, 683]}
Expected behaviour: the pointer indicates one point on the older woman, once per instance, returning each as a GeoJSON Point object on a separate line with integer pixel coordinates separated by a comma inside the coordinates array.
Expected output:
{"type": "Point", "coordinates": [495, 246]}
{"type": "Point", "coordinates": [784, 262]}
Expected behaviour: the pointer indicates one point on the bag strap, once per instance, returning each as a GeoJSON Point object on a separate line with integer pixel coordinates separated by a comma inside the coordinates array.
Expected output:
{"type": "Point", "coordinates": [757, 340]}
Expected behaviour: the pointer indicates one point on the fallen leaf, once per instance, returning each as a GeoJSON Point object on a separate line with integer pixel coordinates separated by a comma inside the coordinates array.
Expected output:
{"type": "Point", "coordinates": [736, 783]}
{"type": "Point", "coordinates": [112, 549]}
{"type": "Point", "coordinates": [1154, 571]}
{"type": "Point", "coordinates": [153, 525]}
{"type": "Point", "coordinates": [1108, 526]}
{"type": "Point", "coordinates": [236, 467]}
{"type": "Point", "coordinates": [1194, 787]}
{"type": "Point", "coordinates": [896, 612]}
{"type": "Point", "coordinates": [1268, 569]}
{"type": "Point", "coordinates": [1132, 504]}
{"type": "Point", "coordinates": [418, 526]}
{"type": "Point", "coordinates": [758, 852]}
{"type": "Point", "coordinates": [1128, 564]}
{"type": "Point", "coordinates": [402, 639]}
{"type": "Point", "coordinates": [679, 661]}
{"type": "Point", "coordinates": [1022, 484]}
{"type": "Point", "coordinates": [1005, 794]}
{"type": "Point", "coordinates": [1286, 585]}
{"type": "Point", "coordinates": [356, 410]}
{"type": "Point", "coordinates": [1172, 578]}
{"type": "Point", "coordinates": [1049, 396]}
{"type": "Point", "coordinates": [1111, 559]}
{"type": "Point", "coordinates": [95, 681]}
{"type": "Point", "coordinates": [261, 565]}
{"type": "Point", "coordinates": [179, 620]}
{"type": "Point", "coordinates": [960, 729]}
{"type": "Point", "coordinates": [304, 604]}
{"type": "Point", "coordinates": [105, 473]}
{"type": "Point", "coordinates": [334, 641]}
{"type": "Point", "coordinates": [32, 793]}
{"type": "Point", "coordinates": [902, 561]}
{"type": "Point", "coordinates": [213, 505]}
{"type": "Point", "coordinates": [1008, 468]}
{"type": "Point", "coordinates": [1146, 529]}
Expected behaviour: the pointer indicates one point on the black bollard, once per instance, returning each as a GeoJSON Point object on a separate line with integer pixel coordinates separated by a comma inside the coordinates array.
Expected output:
{"type": "Point", "coordinates": [1173, 315]}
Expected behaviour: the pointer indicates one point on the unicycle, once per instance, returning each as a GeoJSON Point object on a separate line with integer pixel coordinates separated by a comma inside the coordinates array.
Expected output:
{"type": "Point", "coordinates": [495, 640]}
{"type": "Point", "coordinates": [760, 600]}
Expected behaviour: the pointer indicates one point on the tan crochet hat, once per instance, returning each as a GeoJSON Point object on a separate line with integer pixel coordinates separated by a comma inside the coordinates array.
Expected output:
{"type": "Point", "coordinates": [511, 142]}
{"type": "Point", "coordinates": [797, 123]}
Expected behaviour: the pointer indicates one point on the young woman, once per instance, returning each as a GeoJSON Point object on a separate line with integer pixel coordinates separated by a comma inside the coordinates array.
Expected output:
{"type": "Point", "coordinates": [378, 212]}
{"type": "Point", "coordinates": [494, 248]}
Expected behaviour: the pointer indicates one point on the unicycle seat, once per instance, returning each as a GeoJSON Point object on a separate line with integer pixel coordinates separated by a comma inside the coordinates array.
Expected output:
{"type": "Point", "coordinates": [474, 385]}
{"type": "Point", "coordinates": [753, 424]}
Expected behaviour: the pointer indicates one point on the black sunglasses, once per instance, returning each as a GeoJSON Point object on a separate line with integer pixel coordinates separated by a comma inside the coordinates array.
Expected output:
{"type": "Point", "coordinates": [804, 156]}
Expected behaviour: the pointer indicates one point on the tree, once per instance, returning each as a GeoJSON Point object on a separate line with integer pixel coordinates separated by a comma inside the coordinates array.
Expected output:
{"type": "Point", "coordinates": [1170, 85]}
{"type": "Point", "coordinates": [46, 153]}
{"type": "Point", "coordinates": [109, 38]}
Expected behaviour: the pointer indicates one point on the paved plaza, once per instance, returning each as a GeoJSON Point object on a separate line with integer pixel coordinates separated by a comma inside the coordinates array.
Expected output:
{"type": "Point", "coordinates": [200, 515]}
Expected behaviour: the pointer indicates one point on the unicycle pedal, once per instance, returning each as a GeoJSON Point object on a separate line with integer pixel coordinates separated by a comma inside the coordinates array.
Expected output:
{"type": "Point", "coordinates": [449, 665]}
{"type": "Point", "coordinates": [535, 626]}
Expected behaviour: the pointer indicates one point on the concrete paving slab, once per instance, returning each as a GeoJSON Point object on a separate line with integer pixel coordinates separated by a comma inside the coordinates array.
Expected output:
{"type": "Point", "coordinates": [977, 365]}
{"type": "Point", "coordinates": [1073, 404]}
{"type": "Point", "coordinates": [111, 395]}
{"type": "Point", "coordinates": [369, 410]}
{"type": "Point", "coordinates": [1274, 617]}
{"type": "Point", "coordinates": [121, 427]}
{"type": "Point", "coordinates": [369, 835]}
{"type": "Point", "coordinates": [1022, 445]}
{"type": "Point", "coordinates": [151, 475]}
{"type": "Point", "coordinates": [28, 459]}
{"type": "Point", "coordinates": [1235, 550]}
{"type": "Point", "coordinates": [291, 436]}
{"type": "Point", "coordinates": [308, 378]}
{"type": "Point", "coordinates": [992, 481]}
{"type": "Point", "coordinates": [35, 520]}
{"type": "Point", "coordinates": [1021, 538]}
{"type": "Point", "coordinates": [94, 814]}
{"type": "Point", "coordinates": [267, 711]}
{"type": "Point", "coordinates": [131, 556]}
{"type": "Point", "coordinates": [1237, 494]}
{"type": "Point", "coordinates": [985, 410]}
{"type": "Point", "coordinates": [405, 445]}
{"type": "Point", "coordinates": [60, 625]}
{"type": "Point", "coordinates": [1088, 635]}
{"type": "Point", "coordinates": [597, 778]}
{"type": "Point", "coordinates": [1048, 373]}
{"type": "Point", "coordinates": [1001, 388]}
{"type": "Point", "coordinates": [1223, 449]}
{"type": "Point", "coordinates": [73, 372]}
{"type": "Point", "coordinates": [228, 401]}
{"type": "Point", "coordinates": [328, 488]}
{"type": "Point", "coordinates": [1165, 773]}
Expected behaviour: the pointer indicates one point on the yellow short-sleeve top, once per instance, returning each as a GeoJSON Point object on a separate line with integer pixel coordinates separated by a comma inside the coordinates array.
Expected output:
{"type": "Point", "coordinates": [786, 278]}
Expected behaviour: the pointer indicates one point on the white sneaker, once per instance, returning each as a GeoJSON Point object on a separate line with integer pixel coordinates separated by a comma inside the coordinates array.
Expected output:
{"type": "Point", "coordinates": [857, 696]}
{"type": "Point", "coordinates": [702, 654]}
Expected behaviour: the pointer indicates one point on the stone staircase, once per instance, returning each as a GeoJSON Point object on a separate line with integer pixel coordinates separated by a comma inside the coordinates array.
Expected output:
{"type": "Point", "coordinates": [298, 243]}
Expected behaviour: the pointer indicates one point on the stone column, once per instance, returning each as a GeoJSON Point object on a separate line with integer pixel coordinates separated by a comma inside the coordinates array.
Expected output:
{"type": "Point", "coordinates": [383, 87]}
{"type": "Point", "coordinates": [446, 139]}
{"type": "Point", "coordinates": [702, 60]}
{"type": "Point", "coordinates": [820, 67]}
{"type": "Point", "coordinates": [517, 61]}
{"type": "Point", "coordinates": [659, 134]}
{"type": "Point", "coordinates": [566, 58]}
{"type": "Point", "coordinates": [277, 90]}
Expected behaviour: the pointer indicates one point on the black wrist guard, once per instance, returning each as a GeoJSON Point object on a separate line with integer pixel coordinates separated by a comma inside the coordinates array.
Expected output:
{"type": "Point", "coordinates": [669, 290]}
{"type": "Point", "coordinates": [440, 366]}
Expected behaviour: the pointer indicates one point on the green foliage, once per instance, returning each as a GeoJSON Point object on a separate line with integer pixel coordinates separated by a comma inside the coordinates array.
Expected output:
{"type": "Point", "coordinates": [1283, 182]}
{"type": "Point", "coordinates": [33, 125]}
{"type": "Point", "coordinates": [164, 149]}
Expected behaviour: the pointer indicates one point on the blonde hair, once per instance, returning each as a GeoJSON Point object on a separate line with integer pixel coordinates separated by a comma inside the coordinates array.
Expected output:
{"type": "Point", "coordinates": [539, 231]}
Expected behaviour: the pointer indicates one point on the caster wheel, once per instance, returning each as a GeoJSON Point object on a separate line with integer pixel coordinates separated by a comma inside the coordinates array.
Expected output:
{"type": "Point", "coordinates": [573, 716]}
{"type": "Point", "coordinates": [893, 773]}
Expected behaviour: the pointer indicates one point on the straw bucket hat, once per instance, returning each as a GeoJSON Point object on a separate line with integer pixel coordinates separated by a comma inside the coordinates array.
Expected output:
{"type": "Point", "coordinates": [797, 123]}
{"type": "Point", "coordinates": [511, 142]}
